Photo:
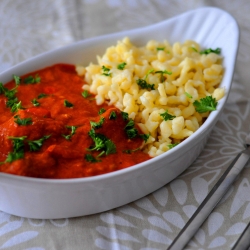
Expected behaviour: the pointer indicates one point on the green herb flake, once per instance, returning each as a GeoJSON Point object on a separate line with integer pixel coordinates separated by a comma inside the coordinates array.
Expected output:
{"type": "Point", "coordinates": [101, 142]}
{"type": "Point", "coordinates": [16, 106]}
{"type": "Point", "coordinates": [162, 72]}
{"type": "Point", "coordinates": [160, 48]}
{"type": "Point", "coordinates": [18, 149]}
{"type": "Point", "coordinates": [194, 49]}
{"type": "Point", "coordinates": [208, 51]}
{"type": "Point", "coordinates": [85, 94]}
{"type": "Point", "coordinates": [68, 104]}
{"type": "Point", "coordinates": [101, 111]}
{"type": "Point", "coordinates": [188, 95]}
{"type": "Point", "coordinates": [22, 122]}
{"type": "Point", "coordinates": [17, 80]}
{"type": "Point", "coordinates": [124, 115]}
{"type": "Point", "coordinates": [73, 131]}
{"type": "Point", "coordinates": [96, 125]}
{"type": "Point", "coordinates": [42, 95]}
{"type": "Point", "coordinates": [112, 115]}
{"type": "Point", "coordinates": [130, 130]}
{"type": "Point", "coordinates": [145, 137]}
{"type": "Point", "coordinates": [205, 104]}
{"type": "Point", "coordinates": [144, 85]}
{"type": "Point", "coordinates": [166, 116]}
{"type": "Point", "coordinates": [91, 158]}
{"type": "Point", "coordinates": [130, 151]}
{"type": "Point", "coordinates": [106, 71]}
{"type": "Point", "coordinates": [32, 80]}
{"type": "Point", "coordinates": [172, 145]}
{"type": "Point", "coordinates": [121, 66]}
{"type": "Point", "coordinates": [35, 145]}
{"type": "Point", "coordinates": [35, 102]}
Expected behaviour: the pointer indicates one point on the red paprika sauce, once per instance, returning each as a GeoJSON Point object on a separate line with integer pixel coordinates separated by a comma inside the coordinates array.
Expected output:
{"type": "Point", "coordinates": [59, 125]}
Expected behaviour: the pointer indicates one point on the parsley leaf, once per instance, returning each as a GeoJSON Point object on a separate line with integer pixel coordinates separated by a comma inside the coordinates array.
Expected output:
{"type": "Point", "coordinates": [205, 104]}
{"type": "Point", "coordinates": [101, 142]}
{"type": "Point", "coordinates": [16, 106]}
{"type": "Point", "coordinates": [31, 79]}
{"type": "Point", "coordinates": [73, 131]}
{"type": "Point", "coordinates": [106, 71]}
{"type": "Point", "coordinates": [166, 116]}
{"type": "Point", "coordinates": [22, 122]}
{"type": "Point", "coordinates": [188, 95]}
{"type": "Point", "coordinates": [129, 151]}
{"type": "Point", "coordinates": [101, 111]}
{"type": "Point", "coordinates": [17, 79]}
{"type": "Point", "coordinates": [144, 85]}
{"type": "Point", "coordinates": [121, 66]}
{"type": "Point", "coordinates": [68, 104]}
{"type": "Point", "coordinates": [162, 72]}
{"type": "Point", "coordinates": [96, 125]}
{"type": "Point", "coordinates": [37, 144]}
{"type": "Point", "coordinates": [208, 51]}
{"type": "Point", "coordinates": [172, 145]}
{"type": "Point", "coordinates": [145, 137]}
{"type": "Point", "coordinates": [18, 149]}
{"type": "Point", "coordinates": [112, 115]}
{"type": "Point", "coordinates": [12, 101]}
{"type": "Point", "coordinates": [161, 48]}
{"type": "Point", "coordinates": [85, 94]}
{"type": "Point", "coordinates": [91, 158]}
{"type": "Point", "coordinates": [124, 115]}
{"type": "Point", "coordinates": [42, 95]}
{"type": "Point", "coordinates": [35, 102]}
{"type": "Point", "coordinates": [130, 130]}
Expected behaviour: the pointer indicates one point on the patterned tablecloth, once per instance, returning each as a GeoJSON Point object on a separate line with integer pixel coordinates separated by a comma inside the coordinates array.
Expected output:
{"type": "Point", "coordinates": [30, 27]}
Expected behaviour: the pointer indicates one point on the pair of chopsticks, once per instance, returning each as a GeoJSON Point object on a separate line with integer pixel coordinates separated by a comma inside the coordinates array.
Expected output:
{"type": "Point", "coordinates": [212, 199]}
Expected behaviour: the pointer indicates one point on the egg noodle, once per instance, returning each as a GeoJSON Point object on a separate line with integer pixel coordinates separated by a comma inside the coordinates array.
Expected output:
{"type": "Point", "coordinates": [156, 85]}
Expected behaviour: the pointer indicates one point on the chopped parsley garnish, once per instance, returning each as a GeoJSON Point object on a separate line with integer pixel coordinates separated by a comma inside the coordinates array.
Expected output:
{"type": "Point", "coordinates": [18, 149]}
{"type": "Point", "coordinates": [124, 115]}
{"type": "Point", "coordinates": [91, 158]}
{"type": "Point", "coordinates": [121, 66]}
{"type": "Point", "coordinates": [208, 51]}
{"type": "Point", "coordinates": [22, 122]}
{"type": "Point", "coordinates": [37, 144]}
{"type": "Point", "coordinates": [68, 104]}
{"type": "Point", "coordinates": [35, 102]}
{"type": "Point", "coordinates": [19, 146]}
{"type": "Point", "coordinates": [129, 151]}
{"type": "Point", "coordinates": [112, 115]}
{"type": "Point", "coordinates": [12, 100]}
{"type": "Point", "coordinates": [143, 82]}
{"type": "Point", "coordinates": [86, 94]}
{"type": "Point", "coordinates": [32, 80]}
{"type": "Point", "coordinates": [16, 106]}
{"type": "Point", "coordinates": [162, 72]}
{"type": "Point", "coordinates": [73, 131]}
{"type": "Point", "coordinates": [96, 125]}
{"type": "Point", "coordinates": [130, 130]}
{"type": "Point", "coordinates": [166, 116]}
{"type": "Point", "coordinates": [42, 95]}
{"type": "Point", "coordinates": [106, 71]}
{"type": "Point", "coordinates": [17, 79]}
{"type": "Point", "coordinates": [145, 137]}
{"type": "Point", "coordinates": [144, 85]}
{"type": "Point", "coordinates": [194, 49]}
{"type": "Point", "coordinates": [160, 48]}
{"type": "Point", "coordinates": [101, 111]}
{"type": "Point", "coordinates": [188, 95]}
{"type": "Point", "coordinates": [172, 145]}
{"type": "Point", "coordinates": [101, 142]}
{"type": "Point", "coordinates": [205, 104]}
